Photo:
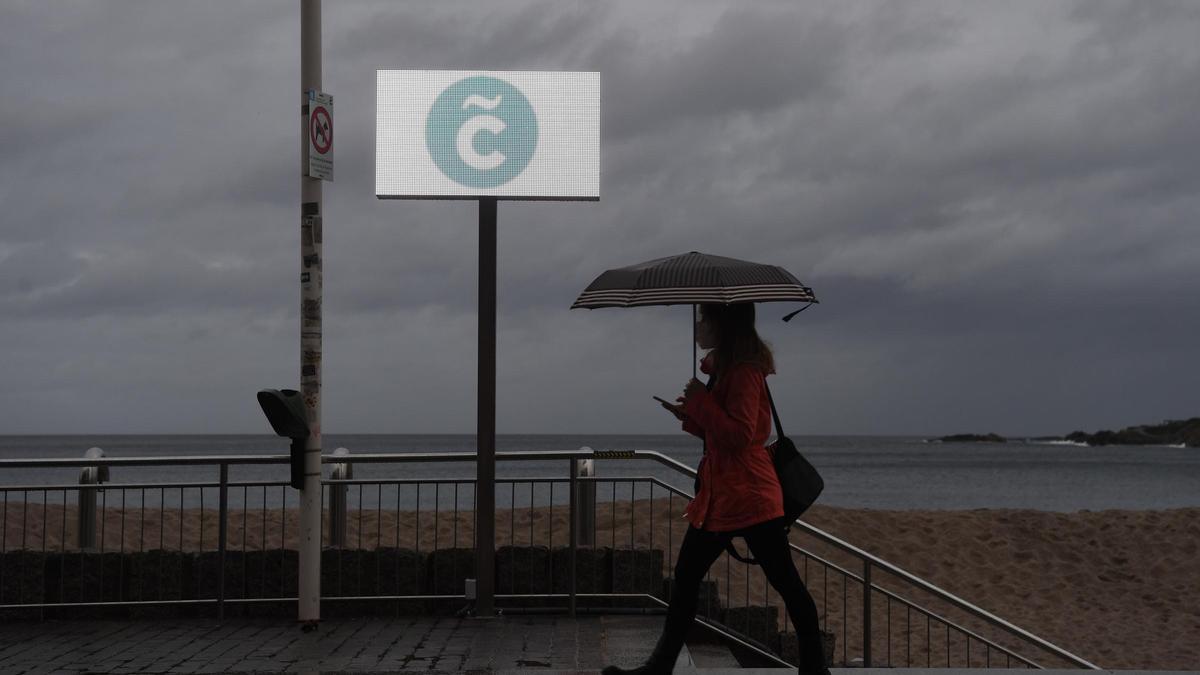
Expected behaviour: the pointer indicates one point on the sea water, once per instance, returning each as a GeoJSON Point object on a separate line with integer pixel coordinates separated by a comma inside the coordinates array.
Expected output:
{"type": "Point", "coordinates": [875, 472]}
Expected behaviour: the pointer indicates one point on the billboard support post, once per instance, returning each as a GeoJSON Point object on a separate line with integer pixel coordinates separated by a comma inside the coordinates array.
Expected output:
{"type": "Point", "coordinates": [485, 460]}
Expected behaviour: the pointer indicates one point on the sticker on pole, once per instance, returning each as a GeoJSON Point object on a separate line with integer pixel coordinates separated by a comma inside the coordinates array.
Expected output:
{"type": "Point", "coordinates": [320, 135]}
{"type": "Point", "coordinates": [469, 134]}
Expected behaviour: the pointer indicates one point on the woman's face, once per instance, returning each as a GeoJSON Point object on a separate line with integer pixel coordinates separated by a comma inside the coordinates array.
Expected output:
{"type": "Point", "coordinates": [706, 335]}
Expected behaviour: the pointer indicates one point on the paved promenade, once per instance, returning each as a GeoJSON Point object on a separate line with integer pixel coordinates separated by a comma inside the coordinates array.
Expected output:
{"type": "Point", "coordinates": [511, 643]}
{"type": "Point", "coordinates": [508, 646]}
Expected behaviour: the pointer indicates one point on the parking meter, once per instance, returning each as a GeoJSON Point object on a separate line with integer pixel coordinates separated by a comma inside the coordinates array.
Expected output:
{"type": "Point", "coordinates": [284, 409]}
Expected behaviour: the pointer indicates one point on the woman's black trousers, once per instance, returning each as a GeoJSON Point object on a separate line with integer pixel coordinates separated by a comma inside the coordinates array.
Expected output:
{"type": "Point", "coordinates": [769, 545]}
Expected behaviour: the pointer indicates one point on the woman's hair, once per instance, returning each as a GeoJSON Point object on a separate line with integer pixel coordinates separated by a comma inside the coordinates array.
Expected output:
{"type": "Point", "coordinates": [737, 340]}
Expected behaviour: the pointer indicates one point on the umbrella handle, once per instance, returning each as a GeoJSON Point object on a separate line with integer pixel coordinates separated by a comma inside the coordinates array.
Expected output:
{"type": "Point", "coordinates": [693, 340]}
{"type": "Point", "coordinates": [789, 316]}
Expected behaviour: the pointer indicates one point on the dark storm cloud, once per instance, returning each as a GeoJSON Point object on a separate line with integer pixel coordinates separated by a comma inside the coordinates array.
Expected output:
{"type": "Point", "coordinates": [465, 35]}
{"type": "Point", "coordinates": [995, 203]}
{"type": "Point", "coordinates": [751, 62]}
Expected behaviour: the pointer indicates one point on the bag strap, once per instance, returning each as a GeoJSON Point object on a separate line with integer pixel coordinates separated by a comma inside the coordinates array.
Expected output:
{"type": "Point", "coordinates": [712, 380]}
{"type": "Point", "coordinates": [774, 412]}
{"type": "Point", "coordinates": [733, 552]}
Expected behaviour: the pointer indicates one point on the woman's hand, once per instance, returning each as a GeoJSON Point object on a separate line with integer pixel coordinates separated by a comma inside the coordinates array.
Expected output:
{"type": "Point", "coordinates": [676, 410]}
{"type": "Point", "coordinates": [692, 388]}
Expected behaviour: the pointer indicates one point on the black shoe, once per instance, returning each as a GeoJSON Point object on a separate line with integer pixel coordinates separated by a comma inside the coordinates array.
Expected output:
{"type": "Point", "coordinates": [657, 664]}
{"type": "Point", "coordinates": [649, 668]}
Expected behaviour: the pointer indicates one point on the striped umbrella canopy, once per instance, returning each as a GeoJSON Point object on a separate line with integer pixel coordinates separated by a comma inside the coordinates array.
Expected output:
{"type": "Point", "coordinates": [693, 278]}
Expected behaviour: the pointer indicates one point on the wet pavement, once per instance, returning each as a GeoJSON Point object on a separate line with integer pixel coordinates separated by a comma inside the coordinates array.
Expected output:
{"type": "Point", "coordinates": [369, 645]}
{"type": "Point", "coordinates": [506, 645]}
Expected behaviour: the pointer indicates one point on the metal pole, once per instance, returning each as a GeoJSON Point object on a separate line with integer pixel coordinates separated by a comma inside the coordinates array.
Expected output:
{"type": "Point", "coordinates": [337, 500]}
{"type": "Point", "coordinates": [574, 532]}
{"type": "Point", "coordinates": [485, 463]}
{"type": "Point", "coordinates": [222, 535]}
{"type": "Point", "coordinates": [90, 475]}
{"type": "Point", "coordinates": [585, 502]}
{"type": "Point", "coordinates": [309, 593]}
{"type": "Point", "coordinates": [87, 510]}
{"type": "Point", "coordinates": [866, 614]}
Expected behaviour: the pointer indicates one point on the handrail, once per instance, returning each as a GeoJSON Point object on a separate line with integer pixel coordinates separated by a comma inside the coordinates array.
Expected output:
{"type": "Point", "coordinates": [884, 565]}
{"type": "Point", "coordinates": [867, 558]}
{"type": "Point", "coordinates": [924, 585]}
{"type": "Point", "coordinates": [855, 577]}
{"type": "Point", "coordinates": [71, 487]}
{"type": "Point", "coordinates": [365, 458]}
{"type": "Point", "coordinates": [385, 458]}
{"type": "Point", "coordinates": [201, 460]}
{"type": "Point", "coordinates": [943, 594]}
{"type": "Point", "coordinates": [213, 460]}
{"type": "Point", "coordinates": [956, 626]}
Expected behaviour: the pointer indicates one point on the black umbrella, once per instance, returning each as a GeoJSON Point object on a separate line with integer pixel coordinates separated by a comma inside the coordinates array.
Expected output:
{"type": "Point", "coordinates": [691, 279]}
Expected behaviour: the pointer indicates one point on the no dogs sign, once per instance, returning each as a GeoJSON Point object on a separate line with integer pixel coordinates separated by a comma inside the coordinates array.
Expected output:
{"type": "Point", "coordinates": [320, 135]}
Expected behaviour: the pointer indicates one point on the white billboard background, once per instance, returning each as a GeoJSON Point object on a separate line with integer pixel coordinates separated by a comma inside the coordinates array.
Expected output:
{"type": "Point", "coordinates": [565, 163]}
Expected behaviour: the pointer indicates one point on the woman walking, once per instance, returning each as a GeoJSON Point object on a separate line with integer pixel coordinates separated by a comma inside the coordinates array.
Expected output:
{"type": "Point", "coordinates": [737, 493]}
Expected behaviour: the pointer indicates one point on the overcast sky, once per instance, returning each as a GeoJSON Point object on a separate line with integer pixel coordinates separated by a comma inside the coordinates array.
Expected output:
{"type": "Point", "coordinates": [995, 202]}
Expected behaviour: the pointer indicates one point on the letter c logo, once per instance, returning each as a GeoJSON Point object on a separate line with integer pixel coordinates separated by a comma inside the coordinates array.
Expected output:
{"type": "Point", "coordinates": [481, 149]}
{"type": "Point", "coordinates": [466, 142]}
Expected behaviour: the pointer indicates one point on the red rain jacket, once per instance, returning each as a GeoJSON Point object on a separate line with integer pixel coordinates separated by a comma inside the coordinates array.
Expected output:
{"type": "Point", "coordinates": [738, 486]}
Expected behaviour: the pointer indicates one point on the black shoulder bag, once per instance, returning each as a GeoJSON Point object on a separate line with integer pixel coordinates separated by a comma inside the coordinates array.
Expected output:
{"type": "Point", "coordinates": [798, 479]}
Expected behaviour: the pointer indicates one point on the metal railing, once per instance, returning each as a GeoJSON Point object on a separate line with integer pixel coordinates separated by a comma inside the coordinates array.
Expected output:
{"type": "Point", "coordinates": [406, 545]}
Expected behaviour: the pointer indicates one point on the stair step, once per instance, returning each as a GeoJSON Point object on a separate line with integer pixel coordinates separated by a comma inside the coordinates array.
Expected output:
{"type": "Point", "coordinates": [711, 656]}
{"type": "Point", "coordinates": [684, 662]}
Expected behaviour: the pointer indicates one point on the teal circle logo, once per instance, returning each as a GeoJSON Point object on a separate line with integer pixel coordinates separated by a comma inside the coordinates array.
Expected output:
{"type": "Point", "coordinates": [481, 132]}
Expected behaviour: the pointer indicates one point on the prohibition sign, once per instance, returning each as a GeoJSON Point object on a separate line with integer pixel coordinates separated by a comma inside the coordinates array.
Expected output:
{"type": "Point", "coordinates": [320, 130]}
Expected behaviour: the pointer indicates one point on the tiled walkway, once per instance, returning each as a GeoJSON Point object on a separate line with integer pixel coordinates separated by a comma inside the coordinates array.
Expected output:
{"type": "Point", "coordinates": [507, 646]}
{"type": "Point", "coordinates": [349, 645]}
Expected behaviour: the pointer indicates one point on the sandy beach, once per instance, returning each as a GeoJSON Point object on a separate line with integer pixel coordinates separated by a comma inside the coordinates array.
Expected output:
{"type": "Point", "coordinates": [1119, 588]}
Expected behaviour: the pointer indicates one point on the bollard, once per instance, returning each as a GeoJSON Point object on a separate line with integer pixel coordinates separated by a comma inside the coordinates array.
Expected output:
{"type": "Point", "coordinates": [337, 500]}
{"type": "Point", "coordinates": [91, 475]}
{"type": "Point", "coordinates": [585, 511]}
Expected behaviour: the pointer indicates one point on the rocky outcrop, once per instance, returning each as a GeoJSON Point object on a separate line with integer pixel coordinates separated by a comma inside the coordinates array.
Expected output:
{"type": "Point", "coordinates": [1170, 432]}
{"type": "Point", "coordinates": [973, 438]}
